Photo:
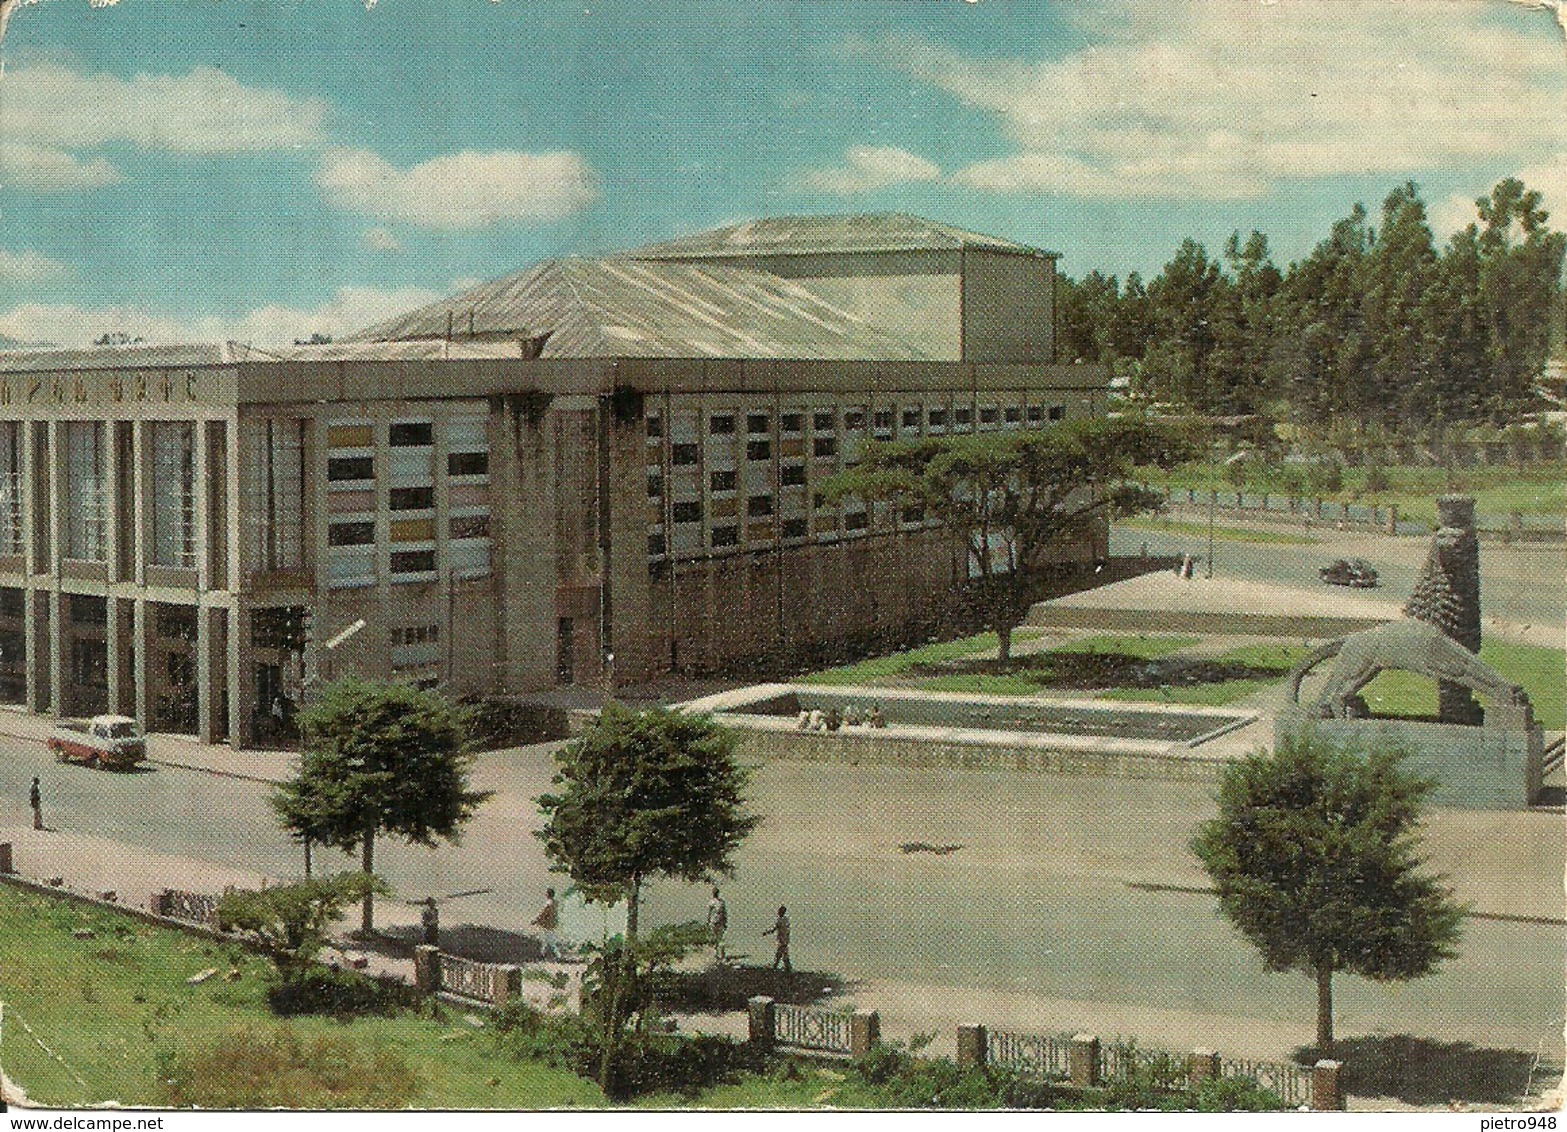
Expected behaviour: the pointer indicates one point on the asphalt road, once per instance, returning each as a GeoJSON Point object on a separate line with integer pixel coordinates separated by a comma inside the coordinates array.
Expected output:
{"type": "Point", "coordinates": [1521, 583]}
{"type": "Point", "coordinates": [1035, 922]}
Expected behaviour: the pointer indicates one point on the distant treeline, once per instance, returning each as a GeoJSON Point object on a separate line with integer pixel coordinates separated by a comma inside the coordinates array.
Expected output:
{"type": "Point", "coordinates": [1377, 328]}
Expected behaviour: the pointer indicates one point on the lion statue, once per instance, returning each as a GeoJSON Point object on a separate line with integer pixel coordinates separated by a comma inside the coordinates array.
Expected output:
{"type": "Point", "coordinates": [1412, 646]}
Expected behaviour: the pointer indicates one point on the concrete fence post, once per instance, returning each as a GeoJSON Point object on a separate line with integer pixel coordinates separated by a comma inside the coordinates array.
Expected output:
{"type": "Point", "coordinates": [508, 988]}
{"type": "Point", "coordinates": [1201, 1065]}
{"type": "Point", "coordinates": [1083, 1061]}
{"type": "Point", "coordinates": [973, 1046]}
{"type": "Point", "coordinates": [1392, 518]}
{"type": "Point", "coordinates": [763, 1018]}
{"type": "Point", "coordinates": [160, 903]}
{"type": "Point", "coordinates": [864, 1032]}
{"type": "Point", "coordinates": [427, 968]}
{"type": "Point", "coordinates": [1325, 1094]}
{"type": "Point", "coordinates": [5, 858]}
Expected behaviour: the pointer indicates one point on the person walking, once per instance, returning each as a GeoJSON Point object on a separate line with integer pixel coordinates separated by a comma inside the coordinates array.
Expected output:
{"type": "Point", "coordinates": [780, 929]}
{"type": "Point", "coordinates": [36, 798]}
{"type": "Point", "coordinates": [547, 921]}
{"type": "Point", "coordinates": [717, 923]}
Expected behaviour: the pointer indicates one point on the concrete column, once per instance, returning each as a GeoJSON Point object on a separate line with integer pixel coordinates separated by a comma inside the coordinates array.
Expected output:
{"type": "Point", "coordinates": [202, 516]}
{"type": "Point", "coordinates": [141, 503]}
{"type": "Point", "coordinates": [1325, 1088]}
{"type": "Point", "coordinates": [763, 1021]}
{"type": "Point", "coordinates": [1083, 1061]}
{"type": "Point", "coordinates": [241, 678]}
{"type": "Point", "coordinates": [238, 512]}
{"type": "Point", "coordinates": [111, 514]}
{"type": "Point", "coordinates": [57, 643]}
{"type": "Point", "coordinates": [35, 631]}
{"type": "Point", "coordinates": [1201, 1065]}
{"type": "Point", "coordinates": [973, 1046]}
{"type": "Point", "coordinates": [57, 495]}
{"type": "Point", "coordinates": [427, 968]}
{"type": "Point", "coordinates": [206, 664]}
{"type": "Point", "coordinates": [32, 553]}
{"type": "Point", "coordinates": [864, 1032]}
{"type": "Point", "coordinates": [141, 683]}
{"type": "Point", "coordinates": [113, 643]}
{"type": "Point", "coordinates": [508, 988]}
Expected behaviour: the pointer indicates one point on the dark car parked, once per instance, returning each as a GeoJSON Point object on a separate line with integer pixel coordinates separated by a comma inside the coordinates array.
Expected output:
{"type": "Point", "coordinates": [1349, 572]}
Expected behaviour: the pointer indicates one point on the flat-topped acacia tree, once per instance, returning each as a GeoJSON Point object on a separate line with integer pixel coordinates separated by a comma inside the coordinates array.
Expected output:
{"type": "Point", "coordinates": [379, 758]}
{"type": "Point", "coordinates": [1015, 497]}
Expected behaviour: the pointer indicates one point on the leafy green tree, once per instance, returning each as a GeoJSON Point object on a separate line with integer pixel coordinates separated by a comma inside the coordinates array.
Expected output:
{"type": "Point", "coordinates": [1015, 497]}
{"type": "Point", "coordinates": [289, 923]}
{"type": "Point", "coordinates": [379, 758]}
{"type": "Point", "coordinates": [1183, 304]}
{"type": "Point", "coordinates": [641, 795]}
{"type": "Point", "coordinates": [1316, 862]}
{"type": "Point", "coordinates": [1520, 290]}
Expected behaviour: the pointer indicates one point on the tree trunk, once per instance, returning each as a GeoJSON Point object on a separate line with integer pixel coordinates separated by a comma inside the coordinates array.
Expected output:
{"type": "Point", "coordinates": [367, 919]}
{"type": "Point", "coordinates": [1325, 1010]}
{"type": "Point", "coordinates": [633, 891]}
{"type": "Point", "coordinates": [1004, 644]}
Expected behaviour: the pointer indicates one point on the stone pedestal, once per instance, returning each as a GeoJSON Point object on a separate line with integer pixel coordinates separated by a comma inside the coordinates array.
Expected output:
{"type": "Point", "coordinates": [972, 1046]}
{"type": "Point", "coordinates": [763, 1018]}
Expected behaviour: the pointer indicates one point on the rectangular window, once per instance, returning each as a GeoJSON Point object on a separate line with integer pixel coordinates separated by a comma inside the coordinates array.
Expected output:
{"type": "Point", "coordinates": [173, 493]}
{"type": "Point", "coordinates": [86, 500]}
{"type": "Point", "coordinates": [90, 663]}
{"type": "Point", "coordinates": [10, 487]}
{"type": "Point", "coordinates": [757, 423]}
{"type": "Point", "coordinates": [823, 422]}
{"type": "Point", "coordinates": [883, 421]}
{"type": "Point", "coordinates": [406, 434]}
{"type": "Point", "coordinates": [856, 521]}
{"type": "Point", "coordinates": [854, 420]}
{"type": "Point", "coordinates": [793, 528]}
{"type": "Point", "coordinates": [469, 526]}
{"type": "Point", "coordinates": [721, 425]}
{"type": "Point", "coordinates": [468, 464]}
{"type": "Point", "coordinates": [87, 610]}
{"type": "Point", "coordinates": [681, 454]}
{"type": "Point", "coordinates": [1036, 413]}
{"type": "Point", "coordinates": [792, 422]}
{"type": "Point", "coordinates": [1057, 412]}
{"type": "Point", "coordinates": [726, 536]}
{"type": "Point", "coordinates": [989, 415]}
{"type": "Point", "coordinates": [655, 485]}
{"type": "Point", "coordinates": [689, 511]}
{"type": "Point", "coordinates": [824, 446]}
{"type": "Point", "coordinates": [350, 534]}
{"type": "Point", "coordinates": [911, 417]}
{"type": "Point", "coordinates": [655, 427]}
{"type": "Point", "coordinates": [411, 498]}
{"type": "Point", "coordinates": [469, 558]}
{"type": "Point", "coordinates": [1013, 415]}
{"type": "Point", "coordinates": [723, 481]}
{"type": "Point", "coordinates": [792, 475]}
{"type": "Point", "coordinates": [914, 514]}
{"type": "Point", "coordinates": [350, 436]}
{"type": "Point", "coordinates": [759, 506]}
{"type": "Point", "coordinates": [351, 567]}
{"type": "Point", "coordinates": [963, 416]}
{"type": "Point", "coordinates": [413, 562]}
{"type": "Point", "coordinates": [759, 450]}
{"type": "Point", "coordinates": [350, 468]}
{"type": "Point", "coordinates": [655, 545]}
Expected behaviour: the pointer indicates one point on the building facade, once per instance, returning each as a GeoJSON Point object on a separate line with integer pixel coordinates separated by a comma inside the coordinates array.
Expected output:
{"type": "Point", "coordinates": [594, 471]}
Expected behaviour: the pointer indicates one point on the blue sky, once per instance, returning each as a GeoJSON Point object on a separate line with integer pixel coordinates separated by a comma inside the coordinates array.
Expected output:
{"type": "Point", "coordinates": [231, 168]}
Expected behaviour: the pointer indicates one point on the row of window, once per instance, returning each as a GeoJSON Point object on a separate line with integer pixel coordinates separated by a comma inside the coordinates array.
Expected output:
{"type": "Point", "coordinates": [353, 469]}
{"type": "Point", "coordinates": [912, 417]}
{"type": "Point", "coordinates": [361, 532]}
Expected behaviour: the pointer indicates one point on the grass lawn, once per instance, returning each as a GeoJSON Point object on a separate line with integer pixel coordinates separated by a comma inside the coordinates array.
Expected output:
{"type": "Point", "coordinates": [1537, 669]}
{"type": "Point", "coordinates": [1282, 658]}
{"type": "Point", "coordinates": [895, 664]}
{"type": "Point", "coordinates": [1221, 533]}
{"type": "Point", "coordinates": [112, 1005]}
{"type": "Point", "coordinates": [1143, 647]}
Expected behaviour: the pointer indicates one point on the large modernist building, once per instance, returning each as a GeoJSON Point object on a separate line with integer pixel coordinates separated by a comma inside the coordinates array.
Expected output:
{"type": "Point", "coordinates": [596, 470]}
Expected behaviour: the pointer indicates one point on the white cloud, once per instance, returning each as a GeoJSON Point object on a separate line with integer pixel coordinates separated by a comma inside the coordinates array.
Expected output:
{"type": "Point", "coordinates": [1220, 99]}
{"type": "Point", "coordinates": [30, 267]}
{"type": "Point", "coordinates": [203, 112]}
{"type": "Point", "coordinates": [459, 190]}
{"type": "Point", "coordinates": [349, 309]}
{"type": "Point", "coordinates": [380, 240]}
{"type": "Point", "coordinates": [43, 169]}
{"type": "Point", "coordinates": [867, 168]}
